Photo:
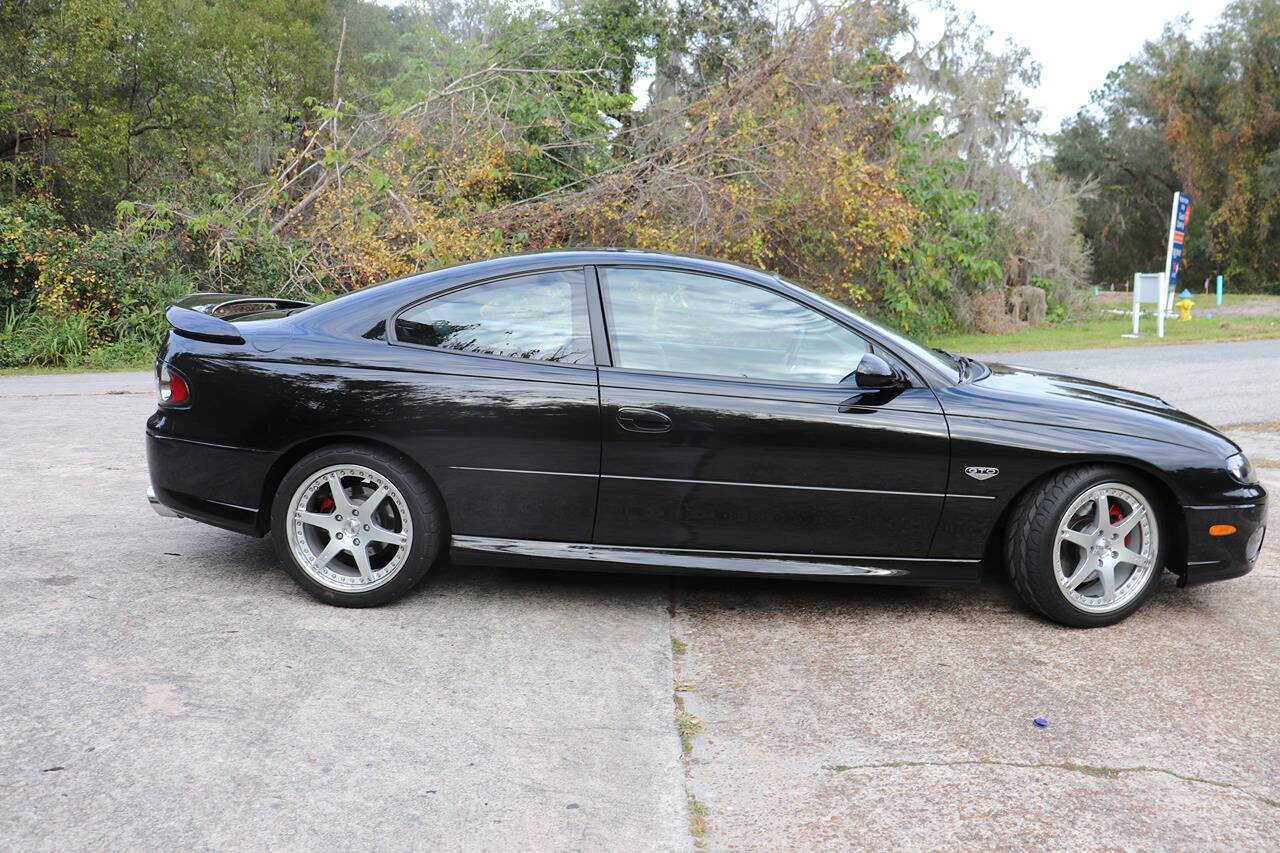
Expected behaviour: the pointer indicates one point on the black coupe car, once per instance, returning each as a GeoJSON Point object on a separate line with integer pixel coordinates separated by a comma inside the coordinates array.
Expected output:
{"type": "Point", "coordinates": [649, 412]}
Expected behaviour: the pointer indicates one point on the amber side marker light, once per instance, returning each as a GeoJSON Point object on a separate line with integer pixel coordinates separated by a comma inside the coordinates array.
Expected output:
{"type": "Point", "coordinates": [1221, 529]}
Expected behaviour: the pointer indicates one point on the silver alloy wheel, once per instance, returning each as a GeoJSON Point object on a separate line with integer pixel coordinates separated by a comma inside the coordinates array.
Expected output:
{"type": "Point", "coordinates": [1106, 548]}
{"type": "Point", "coordinates": [351, 528]}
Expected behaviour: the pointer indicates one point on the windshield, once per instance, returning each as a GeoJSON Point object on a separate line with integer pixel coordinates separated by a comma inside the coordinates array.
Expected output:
{"type": "Point", "coordinates": [942, 360]}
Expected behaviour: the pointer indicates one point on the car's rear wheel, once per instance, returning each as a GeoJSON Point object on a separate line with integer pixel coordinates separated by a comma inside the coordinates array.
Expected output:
{"type": "Point", "coordinates": [1084, 547]}
{"type": "Point", "coordinates": [356, 526]}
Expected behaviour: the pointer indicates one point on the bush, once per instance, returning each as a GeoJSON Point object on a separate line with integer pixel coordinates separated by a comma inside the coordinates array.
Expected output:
{"type": "Point", "coordinates": [42, 339]}
{"type": "Point", "coordinates": [26, 230]}
{"type": "Point", "coordinates": [985, 311]}
{"type": "Point", "coordinates": [1063, 300]}
{"type": "Point", "coordinates": [81, 297]}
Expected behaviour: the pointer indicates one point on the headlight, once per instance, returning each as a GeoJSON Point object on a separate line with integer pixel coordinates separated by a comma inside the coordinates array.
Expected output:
{"type": "Point", "coordinates": [1240, 469]}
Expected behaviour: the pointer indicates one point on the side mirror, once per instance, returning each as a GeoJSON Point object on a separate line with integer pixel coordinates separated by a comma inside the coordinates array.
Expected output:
{"type": "Point", "coordinates": [874, 373]}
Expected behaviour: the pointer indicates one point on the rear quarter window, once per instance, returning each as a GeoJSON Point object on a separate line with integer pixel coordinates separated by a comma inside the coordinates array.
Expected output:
{"type": "Point", "coordinates": [540, 317]}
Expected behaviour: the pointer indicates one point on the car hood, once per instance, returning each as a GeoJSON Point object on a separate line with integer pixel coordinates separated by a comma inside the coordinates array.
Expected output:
{"type": "Point", "coordinates": [1035, 396]}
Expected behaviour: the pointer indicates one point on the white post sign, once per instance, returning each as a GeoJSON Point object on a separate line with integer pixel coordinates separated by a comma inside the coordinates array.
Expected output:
{"type": "Point", "coordinates": [1149, 287]}
{"type": "Point", "coordinates": [1156, 287]}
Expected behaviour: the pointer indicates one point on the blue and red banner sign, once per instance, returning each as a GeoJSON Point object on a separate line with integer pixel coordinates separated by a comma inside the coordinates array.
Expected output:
{"type": "Point", "coordinates": [1177, 234]}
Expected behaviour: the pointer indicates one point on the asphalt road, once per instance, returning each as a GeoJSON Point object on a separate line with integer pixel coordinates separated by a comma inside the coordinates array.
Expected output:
{"type": "Point", "coordinates": [163, 684]}
{"type": "Point", "coordinates": [1224, 384]}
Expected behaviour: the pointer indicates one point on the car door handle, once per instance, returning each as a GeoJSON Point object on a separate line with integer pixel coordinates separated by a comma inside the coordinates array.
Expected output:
{"type": "Point", "coordinates": [643, 420]}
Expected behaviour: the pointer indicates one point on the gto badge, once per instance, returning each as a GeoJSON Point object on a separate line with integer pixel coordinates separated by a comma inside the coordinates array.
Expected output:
{"type": "Point", "coordinates": [979, 473]}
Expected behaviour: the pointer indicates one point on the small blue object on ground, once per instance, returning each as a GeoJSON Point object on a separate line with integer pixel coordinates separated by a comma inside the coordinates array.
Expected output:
{"type": "Point", "coordinates": [1041, 723]}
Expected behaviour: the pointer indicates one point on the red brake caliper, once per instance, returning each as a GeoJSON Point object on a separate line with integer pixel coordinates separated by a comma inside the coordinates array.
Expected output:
{"type": "Point", "coordinates": [1117, 515]}
{"type": "Point", "coordinates": [326, 504]}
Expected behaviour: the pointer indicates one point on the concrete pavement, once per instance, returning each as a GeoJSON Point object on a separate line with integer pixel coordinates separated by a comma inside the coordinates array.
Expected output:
{"type": "Point", "coordinates": [163, 684]}
{"type": "Point", "coordinates": [889, 718]}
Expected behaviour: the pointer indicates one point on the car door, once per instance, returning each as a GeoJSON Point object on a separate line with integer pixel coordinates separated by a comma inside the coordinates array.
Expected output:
{"type": "Point", "coordinates": [726, 426]}
{"type": "Point", "coordinates": [503, 408]}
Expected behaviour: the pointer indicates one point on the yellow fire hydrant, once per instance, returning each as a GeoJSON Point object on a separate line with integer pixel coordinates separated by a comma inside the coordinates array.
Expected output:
{"type": "Point", "coordinates": [1184, 307]}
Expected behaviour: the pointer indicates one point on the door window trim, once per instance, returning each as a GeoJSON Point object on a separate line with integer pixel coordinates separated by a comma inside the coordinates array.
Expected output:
{"type": "Point", "coordinates": [913, 377]}
{"type": "Point", "coordinates": [600, 343]}
{"type": "Point", "coordinates": [393, 339]}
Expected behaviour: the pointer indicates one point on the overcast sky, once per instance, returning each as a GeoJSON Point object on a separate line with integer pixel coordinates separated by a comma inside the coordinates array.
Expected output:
{"type": "Point", "coordinates": [1076, 43]}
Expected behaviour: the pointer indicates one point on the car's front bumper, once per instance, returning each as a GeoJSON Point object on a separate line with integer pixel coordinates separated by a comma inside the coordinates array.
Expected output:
{"type": "Point", "coordinates": [1216, 558]}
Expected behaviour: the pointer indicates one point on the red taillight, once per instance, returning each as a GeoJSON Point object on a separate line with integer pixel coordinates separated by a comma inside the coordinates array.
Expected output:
{"type": "Point", "coordinates": [171, 387]}
{"type": "Point", "coordinates": [177, 389]}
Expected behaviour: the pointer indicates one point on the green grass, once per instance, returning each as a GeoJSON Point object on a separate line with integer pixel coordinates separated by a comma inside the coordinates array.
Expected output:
{"type": "Point", "coordinates": [687, 725]}
{"type": "Point", "coordinates": [118, 367]}
{"type": "Point", "coordinates": [34, 341]}
{"type": "Point", "coordinates": [697, 820]}
{"type": "Point", "coordinates": [1107, 331]}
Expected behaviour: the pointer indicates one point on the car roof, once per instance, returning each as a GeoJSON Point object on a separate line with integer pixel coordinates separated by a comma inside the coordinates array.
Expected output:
{"type": "Point", "coordinates": [503, 264]}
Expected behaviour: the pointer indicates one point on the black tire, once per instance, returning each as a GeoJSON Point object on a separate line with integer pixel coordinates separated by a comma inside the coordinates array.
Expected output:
{"type": "Point", "coordinates": [1032, 536]}
{"type": "Point", "coordinates": [426, 512]}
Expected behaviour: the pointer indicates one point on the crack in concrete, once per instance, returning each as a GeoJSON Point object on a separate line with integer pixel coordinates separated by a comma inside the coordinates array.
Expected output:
{"type": "Point", "coordinates": [686, 727]}
{"type": "Point", "coordinates": [1087, 769]}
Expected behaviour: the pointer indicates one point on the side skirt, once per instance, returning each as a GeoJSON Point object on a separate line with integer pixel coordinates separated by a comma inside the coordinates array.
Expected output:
{"type": "Point", "coordinates": [574, 556]}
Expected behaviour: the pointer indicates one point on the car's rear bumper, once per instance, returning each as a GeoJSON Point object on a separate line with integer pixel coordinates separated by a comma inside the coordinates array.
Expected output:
{"type": "Point", "coordinates": [218, 485]}
{"type": "Point", "coordinates": [161, 509]}
{"type": "Point", "coordinates": [1216, 558]}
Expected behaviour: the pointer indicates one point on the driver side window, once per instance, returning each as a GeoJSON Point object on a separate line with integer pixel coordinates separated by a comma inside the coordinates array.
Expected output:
{"type": "Point", "coordinates": [680, 322]}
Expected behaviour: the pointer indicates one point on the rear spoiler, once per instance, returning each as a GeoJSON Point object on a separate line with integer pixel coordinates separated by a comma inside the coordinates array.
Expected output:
{"type": "Point", "coordinates": [226, 305]}
{"type": "Point", "coordinates": [202, 327]}
{"type": "Point", "coordinates": [206, 316]}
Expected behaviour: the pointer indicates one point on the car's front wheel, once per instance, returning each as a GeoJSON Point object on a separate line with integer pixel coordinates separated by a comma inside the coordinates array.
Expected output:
{"type": "Point", "coordinates": [1085, 546]}
{"type": "Point", "coordinates": [356, 526]}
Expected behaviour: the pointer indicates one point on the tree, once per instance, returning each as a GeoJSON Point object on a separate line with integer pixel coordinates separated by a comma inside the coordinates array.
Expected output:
{"type": "Point", "coordinates": [987, 129]}
{"type": "Point", "coordinates": [1199, 117]}
{"type": "Point", "coordinates": [1220, 100]}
